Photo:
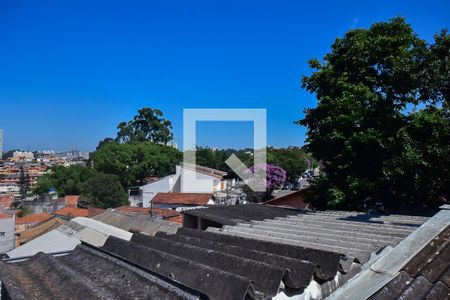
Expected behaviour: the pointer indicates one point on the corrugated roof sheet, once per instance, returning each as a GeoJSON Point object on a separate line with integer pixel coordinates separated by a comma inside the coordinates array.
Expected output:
{"type": "Point", "coordinates": [355, 235]}
{"type": "Point", "coordinates": [388, 276]}
{"type": "Point", "coordinates": [136, 222]}
{"type": "Point", "coordinates": [84, 274]}
{"type": "Point", "coordinates": [258, 258]}
{"type": "Point", "coordinates": [233, 214]}
{"type": "Point", "coordinates": [425, 276]}
{"type": "Point", "coordinates": [53, 241]}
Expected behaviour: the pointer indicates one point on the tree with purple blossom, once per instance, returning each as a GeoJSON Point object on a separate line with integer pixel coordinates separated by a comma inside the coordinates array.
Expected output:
{"type": "Point", "coordinates": [275, 177]}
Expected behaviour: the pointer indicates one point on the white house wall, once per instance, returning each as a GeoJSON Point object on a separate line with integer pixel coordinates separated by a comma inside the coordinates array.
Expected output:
{"type": "Point", "coordinates": [7, 238]}
{"type": "Point", "coordinates": [195, 182]}
{"type": "Point", "coordinates": [164, 185]}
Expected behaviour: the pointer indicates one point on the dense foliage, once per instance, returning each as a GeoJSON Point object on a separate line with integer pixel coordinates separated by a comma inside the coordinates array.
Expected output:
{"type": "Point", "coordinates": [105, 191]}
{"type": "Point", "coordinates": [65, 180]}
{"type": "Point", "coordinates": [101, 190]}
{"type": "Point", "coordinates": [133, 162]}
{"type": "Point", "coordinates": [293, 159]}
{"type": "Point", "coordinates": [382, 123]}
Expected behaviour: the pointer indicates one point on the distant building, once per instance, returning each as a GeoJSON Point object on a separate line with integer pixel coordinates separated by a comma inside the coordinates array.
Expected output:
{"type": "Point", "coordinates": [6, 200]}
{"type": "Point", "coordinates": [74, 154]}
{"type": "Point", "coordinates": [1, 143]}
{"type": "Point", "coordinates": [22, 155]}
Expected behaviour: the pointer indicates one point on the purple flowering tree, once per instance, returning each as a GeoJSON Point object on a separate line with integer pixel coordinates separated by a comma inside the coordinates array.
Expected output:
{"type": "Point", "coordinates": [275, 177]}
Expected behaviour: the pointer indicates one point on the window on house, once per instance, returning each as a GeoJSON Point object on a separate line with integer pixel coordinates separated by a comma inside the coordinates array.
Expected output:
{"type": "Point", "coordinates": [2, 233]}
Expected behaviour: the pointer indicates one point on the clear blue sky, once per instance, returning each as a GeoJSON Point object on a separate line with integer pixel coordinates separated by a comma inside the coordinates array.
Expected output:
{"type": "Point", "coordinates": [70, 71]}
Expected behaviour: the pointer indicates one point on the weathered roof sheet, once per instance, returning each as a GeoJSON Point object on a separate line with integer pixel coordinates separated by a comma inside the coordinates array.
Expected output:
{"type": "Point", "coordinates": [136, 222]}
{"type": "Point", "coordinates": [66, 237]}
{"type": "Point", "coordinates": [416, 268]}
{"type": "Point", "coordinates": [261, 258]}
{"type": "Point", "coordinates": [53, 241]}
{"type": "Point", "coordinates": [103, 228]}
{"type": "Point", "coordinates": [233, 214]}
{"type": "Point", "coordinates": [352, 234]}
{"type": "Point", "coordinates": [426, 275]}
{"type": "Point", "coordinates": [81, 275]}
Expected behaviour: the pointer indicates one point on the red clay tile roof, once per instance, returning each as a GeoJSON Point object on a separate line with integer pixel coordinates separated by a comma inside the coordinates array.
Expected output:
{"type": "Point", "coordinates": [93, 211]}
{"type": "Point", "coordinates": [72, 200]}
{"type": "Point", "coordinates": [177, 219]}
{"type": "Point", "coordinates": [72, 212]}
{"type": "Point", "coordinates": [34, 219]}
{"type": "Point", "coordinates": [4, 216]}
{"type": "Point", "coordinates": [138, 210]}
{"type": "Point", "coordinates": [295, 199]}
{"type": "Point", "coordinates": [182, 198]}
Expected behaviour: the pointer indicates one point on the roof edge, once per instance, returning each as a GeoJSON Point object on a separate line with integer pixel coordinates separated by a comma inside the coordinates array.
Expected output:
{"type": "Point", "coordinates": [389, 265]}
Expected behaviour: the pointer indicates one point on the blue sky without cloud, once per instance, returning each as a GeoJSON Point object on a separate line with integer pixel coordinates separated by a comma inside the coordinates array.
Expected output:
{"type": "Point", "coordinates": [70, 71]}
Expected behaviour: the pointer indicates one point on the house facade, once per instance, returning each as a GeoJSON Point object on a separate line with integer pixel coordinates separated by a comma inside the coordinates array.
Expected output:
{"type": "Point", "coordinates": [187, 179]}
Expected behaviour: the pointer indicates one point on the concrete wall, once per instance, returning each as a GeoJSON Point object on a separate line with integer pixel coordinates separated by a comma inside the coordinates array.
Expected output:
{"type": "Point", "coordinates": [6, 234]}
{"type": "Point", "coordinates": [164, 185]}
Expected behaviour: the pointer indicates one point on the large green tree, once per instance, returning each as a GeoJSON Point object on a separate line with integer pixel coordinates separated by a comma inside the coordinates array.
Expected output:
{"type": "Point", "coordinates": [381, 123]}
{"type": "Point", "coordinates": [148, 125]}
{"type": "Point", "coordinates": [105, 191]}
{"type": "Point", "coordinates": [133, 162]}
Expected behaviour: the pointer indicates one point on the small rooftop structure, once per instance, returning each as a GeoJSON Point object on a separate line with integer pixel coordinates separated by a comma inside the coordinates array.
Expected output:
{"type": "Point", "coordinates": [71, 200]}
{"type": "Point", "coordinates": [293, 199]}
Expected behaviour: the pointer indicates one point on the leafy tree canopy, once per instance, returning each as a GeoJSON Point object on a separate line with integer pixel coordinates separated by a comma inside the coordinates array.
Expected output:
{"type": "Point", "coordinates": [148, 125]}
{"type": "Point", "coordinates": [66, 180]}
{"type": "Point", "coordinates": [105, 191]}
{"type": "Point", "coordinates": [133, 162]}
{"type": "Point", "coordinates": [101, 190]}
{"type": "Point", "coordinates": [381, 124]}
{"type": "Point", "coordinates": [293, 159]}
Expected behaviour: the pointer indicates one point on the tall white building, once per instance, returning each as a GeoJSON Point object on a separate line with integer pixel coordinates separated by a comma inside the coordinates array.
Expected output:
{"type": "Point", "coordinates": [1, 143]}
